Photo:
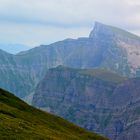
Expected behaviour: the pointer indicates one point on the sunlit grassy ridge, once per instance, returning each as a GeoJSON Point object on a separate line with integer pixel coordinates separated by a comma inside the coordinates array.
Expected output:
{"type": "Point", "coordinates": [104, 75]}
{"type": "Point", "coordinates": [19, 121]}
{"type": "Point", "coordinates": [99, 73]}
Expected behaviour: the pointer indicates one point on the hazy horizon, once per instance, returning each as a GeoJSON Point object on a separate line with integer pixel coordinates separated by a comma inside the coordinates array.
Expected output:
{"type": "Point", "coordinates": [46, 21]}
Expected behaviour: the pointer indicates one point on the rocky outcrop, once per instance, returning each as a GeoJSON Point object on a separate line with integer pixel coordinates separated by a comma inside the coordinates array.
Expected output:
{"type": "Point", "coordinates": [109, 106]}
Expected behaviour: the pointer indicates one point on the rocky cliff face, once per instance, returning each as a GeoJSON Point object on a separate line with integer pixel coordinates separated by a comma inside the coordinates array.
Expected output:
{"type": "Point", "coordinates": [106, 47]}
{"type": "Point", "coordinates": [109, 106]}
{"type": "Point", "coordinates": [13, 76]}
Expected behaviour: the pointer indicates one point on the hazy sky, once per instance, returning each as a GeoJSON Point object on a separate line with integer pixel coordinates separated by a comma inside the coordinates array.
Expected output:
{"type": "Point", "coordinates": [35, 22]}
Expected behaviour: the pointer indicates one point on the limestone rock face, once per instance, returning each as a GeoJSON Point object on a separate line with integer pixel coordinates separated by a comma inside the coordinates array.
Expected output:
{"type": "Point", "coordinates": [110, 107]}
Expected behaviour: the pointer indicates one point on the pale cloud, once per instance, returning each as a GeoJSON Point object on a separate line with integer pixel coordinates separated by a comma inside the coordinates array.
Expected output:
{"type": "Point", "coordinates": [40, 20]}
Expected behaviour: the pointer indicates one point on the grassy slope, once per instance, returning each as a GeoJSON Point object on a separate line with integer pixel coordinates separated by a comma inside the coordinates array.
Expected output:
{"type": "Point", "coordinates": [104, 75]}
{"type": "Point", "coordinates": [99, 73]}
{"type": "Point", "coordinates": [20, 121]}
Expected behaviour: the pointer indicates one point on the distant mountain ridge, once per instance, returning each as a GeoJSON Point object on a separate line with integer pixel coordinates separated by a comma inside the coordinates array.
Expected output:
{"type": "Point", "coordinates": [107, 47]}
{"type": "Point", "coordinates": [14, 48]}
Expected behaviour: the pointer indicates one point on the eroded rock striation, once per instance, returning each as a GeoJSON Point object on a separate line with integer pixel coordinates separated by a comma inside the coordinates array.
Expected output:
{"type": "Point", "coordinates": [97, 100]}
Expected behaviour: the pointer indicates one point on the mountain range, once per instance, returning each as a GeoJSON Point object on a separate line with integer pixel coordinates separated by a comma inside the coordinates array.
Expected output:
{"type": "Point", "coordinates": [102, 71]}
{"type": "Point", "coordinates": [106, 47]}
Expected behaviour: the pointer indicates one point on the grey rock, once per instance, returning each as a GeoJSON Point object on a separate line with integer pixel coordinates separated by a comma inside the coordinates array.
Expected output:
{"type": "Point", "coordinates": [107, 106]}
{"type": "Point", "coordinates": [107, 47]}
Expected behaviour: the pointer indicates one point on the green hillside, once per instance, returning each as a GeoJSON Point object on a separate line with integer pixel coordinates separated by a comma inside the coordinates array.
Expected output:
{"type": "Point", "coordinates": [19, 121]}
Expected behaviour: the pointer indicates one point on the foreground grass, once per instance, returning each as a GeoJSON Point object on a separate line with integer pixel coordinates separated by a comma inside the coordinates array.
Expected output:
{"type": "Point", "coordinates": [19, 121]}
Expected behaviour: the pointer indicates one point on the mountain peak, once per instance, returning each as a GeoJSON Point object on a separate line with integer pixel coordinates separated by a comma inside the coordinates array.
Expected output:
{"type": "Point", "coordinates": [98, 24]}
{"type": "Point", "coordinates": [99, 28]}
{"type": "Point", "coordinates": [104, 30]}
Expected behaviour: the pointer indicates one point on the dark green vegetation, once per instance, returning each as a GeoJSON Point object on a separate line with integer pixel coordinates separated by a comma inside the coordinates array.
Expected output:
{"type": "Point", "coordinates": [19, 121]}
